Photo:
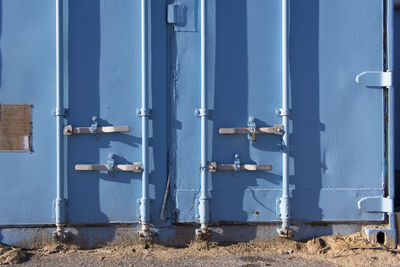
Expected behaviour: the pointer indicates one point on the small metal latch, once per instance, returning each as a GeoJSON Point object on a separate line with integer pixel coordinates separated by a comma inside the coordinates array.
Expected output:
{"type": "Point", "coordinates": [110, 162]}
{"type": "Point", "coordinates": [237, 166]}
{"type": "Point", "coordinates": [252, 127]}
{"type": "Point", "coordinates": [375, 79]}
{"type": "Point", "coordinates": [93, 127]}
{"type": "Point", "coordinates": [236, 163]}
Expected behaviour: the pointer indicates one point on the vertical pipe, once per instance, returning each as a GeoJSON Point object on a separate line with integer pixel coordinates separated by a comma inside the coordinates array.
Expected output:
{"type": "Point", "coordinates": [60, 200]}
{"type": "Point", "coordinates": [285, 112]}
{"type": "Point", "coordinates": [144, 113]}
{"type": "Point", "coordinates": [203, 113]}
{"type": "Point", "coordinates": [391, 109]}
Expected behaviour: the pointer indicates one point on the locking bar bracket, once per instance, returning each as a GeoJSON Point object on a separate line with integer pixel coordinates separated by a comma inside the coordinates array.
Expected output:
{"type": "Point", "coordinates": [375, 79]}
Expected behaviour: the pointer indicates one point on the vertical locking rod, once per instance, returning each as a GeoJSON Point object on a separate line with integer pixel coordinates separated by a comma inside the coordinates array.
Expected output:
{"type": "Point", "coordinates": [145, 201]}
{"type": "Point", "coordinates": [203, 201]}
{"type": "Point", "coordinates": [60, 207]}
{"type": "Point", "coordinates": [285, 198]}
{"type": "Point", "coordinates": [391, 110]}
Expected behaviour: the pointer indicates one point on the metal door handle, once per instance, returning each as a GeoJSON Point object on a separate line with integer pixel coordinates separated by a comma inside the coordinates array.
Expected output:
{"type": "Point", "coordinates": [237, 166]}
{"type": "Point", "coordinates": [95, 129]}
{"type": "Point", "coordinates": [277, 129]}
{"type": "Point", "coordinates": [69, 130]}
{"type": "Point", "coordinates": [252, 130]}
{"type": "Point", "coordinates": [110, 166]}
{"type": "Point", "coordinates": [214, 167]}
{"type": "Point", "coordinates": [135, 167]}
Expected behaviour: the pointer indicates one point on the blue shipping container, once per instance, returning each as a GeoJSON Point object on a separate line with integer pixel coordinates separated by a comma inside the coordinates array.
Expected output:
{"type": "Point", "coordinates": [245, 119]}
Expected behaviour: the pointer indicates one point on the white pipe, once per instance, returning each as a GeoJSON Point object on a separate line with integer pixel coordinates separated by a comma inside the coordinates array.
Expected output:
{"type": "Point", "coordinates": [285, 112]}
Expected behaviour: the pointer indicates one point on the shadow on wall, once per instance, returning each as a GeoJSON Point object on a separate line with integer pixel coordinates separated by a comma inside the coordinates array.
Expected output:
{"type": "Point", "coordinates": [84, 100]}
{"type": "Point", "coordinates": [304, 71]}
{"type": "Point", "coordinates": [230, 106]}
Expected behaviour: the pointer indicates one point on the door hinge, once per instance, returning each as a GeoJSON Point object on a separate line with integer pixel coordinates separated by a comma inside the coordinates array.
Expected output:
{"type": "Point", "coordinates": [375, 79]}
{"type": "Point", "coordinates": [176, 14]}
{"type": "Point", "coordinates": [376, 204]}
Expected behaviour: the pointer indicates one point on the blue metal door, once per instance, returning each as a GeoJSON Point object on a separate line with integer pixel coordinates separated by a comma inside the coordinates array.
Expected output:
{"type": "Point", "coordinates": [337, 136]}
{"type": "Point", "coordinates": [104, 70]}
{"type": "Point", "coordinates": [99, 73]}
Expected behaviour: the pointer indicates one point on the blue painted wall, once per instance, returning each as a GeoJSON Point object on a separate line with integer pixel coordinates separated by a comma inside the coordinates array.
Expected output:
{"type": "Point", "coordinates": [337, 126]}
{"type": "Point", "coordinates": [28, 180]}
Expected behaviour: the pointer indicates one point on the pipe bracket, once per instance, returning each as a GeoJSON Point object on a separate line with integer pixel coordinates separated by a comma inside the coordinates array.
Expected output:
{"type": "Point", "coordinates": [202, 112]}
{"type": "Point", "coordinates": [283, 112]}
{"type": "Point", "coordinates": [60, 112]}
{"type": "Point", "coordinates": [143, 112]}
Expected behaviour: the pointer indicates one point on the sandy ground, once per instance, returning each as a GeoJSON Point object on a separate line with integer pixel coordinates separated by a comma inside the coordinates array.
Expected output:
{"type": "Point", "coordinates": [335, 250]}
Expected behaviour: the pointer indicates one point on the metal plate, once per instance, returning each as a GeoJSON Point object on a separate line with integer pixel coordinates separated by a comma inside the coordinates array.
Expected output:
{"type": "Point", "coordinates": [15, 127]}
